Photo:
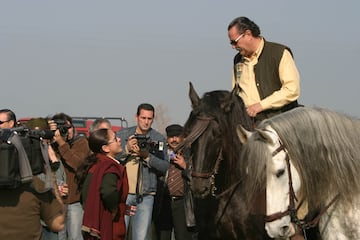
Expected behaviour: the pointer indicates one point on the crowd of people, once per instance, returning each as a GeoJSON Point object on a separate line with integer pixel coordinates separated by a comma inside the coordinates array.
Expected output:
{"type": "Point", "coordinates": [102, 186]}
{"type": "Point", "coordinates": [129, 184]}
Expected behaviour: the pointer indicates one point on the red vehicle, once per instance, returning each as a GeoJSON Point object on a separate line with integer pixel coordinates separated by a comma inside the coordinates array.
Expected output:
{"type": "Point", "coordinates": [82, 124]}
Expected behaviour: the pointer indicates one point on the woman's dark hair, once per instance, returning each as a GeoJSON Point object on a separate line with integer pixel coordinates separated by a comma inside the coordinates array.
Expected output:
{"type": "Point", "coordinates": [96, 140]}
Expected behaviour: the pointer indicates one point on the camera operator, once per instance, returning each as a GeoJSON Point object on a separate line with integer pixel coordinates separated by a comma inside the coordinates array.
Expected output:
{"type": "Point", "coordinates": [22, 208]}
{"type": "Point", "coordinates": [57, 170]}
{"type": "Point", "coordinates": [145, 157]}
{"type": "Point", "coordinates": [72, 150]}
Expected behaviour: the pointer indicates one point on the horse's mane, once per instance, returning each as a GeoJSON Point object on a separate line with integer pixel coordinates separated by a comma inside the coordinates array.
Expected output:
{"type": "Point", "coordinates": [323, 145]}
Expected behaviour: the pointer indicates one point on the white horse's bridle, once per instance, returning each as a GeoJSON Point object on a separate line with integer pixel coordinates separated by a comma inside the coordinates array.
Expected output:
{"type": "Point", "coordinates": [291, 209]}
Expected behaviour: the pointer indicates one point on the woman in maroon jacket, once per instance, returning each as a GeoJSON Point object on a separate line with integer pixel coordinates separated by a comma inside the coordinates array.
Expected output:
{"type": "Point", "coordinates": [104, 188]}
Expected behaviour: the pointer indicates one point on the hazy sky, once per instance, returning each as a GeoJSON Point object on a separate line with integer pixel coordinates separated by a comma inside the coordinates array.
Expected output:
{"type": "Point", "coordinates": [103, 58]}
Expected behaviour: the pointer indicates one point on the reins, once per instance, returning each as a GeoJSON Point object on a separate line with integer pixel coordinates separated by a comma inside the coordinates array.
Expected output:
{"type": "Point", "coordinates": [200, 126]}
{"type": "Point", "coordinates": [231, 190]}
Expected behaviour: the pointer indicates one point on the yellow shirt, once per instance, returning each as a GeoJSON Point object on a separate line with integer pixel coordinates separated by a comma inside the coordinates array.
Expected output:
{"type": "Point", "coordinates": [289, 77]}
{"type": "Point", "coordinates": [132, 172]}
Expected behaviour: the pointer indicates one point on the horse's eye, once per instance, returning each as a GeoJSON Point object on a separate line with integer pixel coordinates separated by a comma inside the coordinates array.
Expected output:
{"type": "Point", "coordinates": [280, 172]}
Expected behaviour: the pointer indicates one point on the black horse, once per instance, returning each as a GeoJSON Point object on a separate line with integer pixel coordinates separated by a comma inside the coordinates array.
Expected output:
{"type": "Point", "coordinates": [211, 132]}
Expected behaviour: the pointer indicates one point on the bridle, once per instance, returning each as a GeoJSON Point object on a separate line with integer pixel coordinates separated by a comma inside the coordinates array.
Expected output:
{"type": "Point", "coordinates": [199, 128]}
{"type": "Point", "coordinates": [292, 210]}
{"type": "Point", "coordinates": [211, 174]}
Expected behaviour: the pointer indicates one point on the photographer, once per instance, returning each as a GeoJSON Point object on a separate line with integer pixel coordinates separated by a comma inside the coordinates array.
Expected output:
{"type": "Point", "coordinates": [22, 207]}
{"type": "Point", "coordinates": [145, 158]}
{"type": "Point", "coordinates": [72, 150]}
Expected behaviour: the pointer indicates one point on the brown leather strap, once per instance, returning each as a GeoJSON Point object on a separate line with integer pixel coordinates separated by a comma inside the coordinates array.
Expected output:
{"type": "Point", "coordinates": [201, 124]}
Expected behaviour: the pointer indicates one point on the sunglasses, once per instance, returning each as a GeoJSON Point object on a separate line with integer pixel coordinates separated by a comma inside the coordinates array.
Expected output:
{"type": "Point", "coordinates": [234, 42]}
{"type": "Point", "coordinates": [1, 122]}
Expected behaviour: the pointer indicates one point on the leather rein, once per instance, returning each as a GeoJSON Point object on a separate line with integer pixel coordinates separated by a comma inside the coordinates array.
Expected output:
{"type": "Point", "coordinates": [292, 210]}
{"type": "Point", "coordinates": [199, 128]}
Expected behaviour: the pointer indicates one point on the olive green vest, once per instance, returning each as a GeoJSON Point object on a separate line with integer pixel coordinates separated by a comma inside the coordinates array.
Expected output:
{"type": "Point", "coordinates": [267, 75]}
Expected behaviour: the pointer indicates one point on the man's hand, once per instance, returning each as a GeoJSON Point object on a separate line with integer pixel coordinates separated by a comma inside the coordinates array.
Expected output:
{"type": "Point", "coordinates": [254, 109]}
{"type": "Point", "coordinates": [132, 146]}
{"type": "Point", "coordinates": [179, 160]}
{"type": "Point", "coordinates": [57, 136]}
{"type": "Point", "coordinates": [130, 210]}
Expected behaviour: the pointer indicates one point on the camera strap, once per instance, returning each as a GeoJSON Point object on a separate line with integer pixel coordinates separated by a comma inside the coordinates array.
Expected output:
{"type": "Point", "coordinates": [24, 164]}
{"type": "Point", "coordinates": [139, 182]}
{"type": "Point", "coordinates": [48, 178]}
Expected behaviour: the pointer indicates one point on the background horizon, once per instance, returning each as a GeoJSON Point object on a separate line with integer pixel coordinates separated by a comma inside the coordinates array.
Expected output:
{"type": "Point", "coordinates": [104, 58]}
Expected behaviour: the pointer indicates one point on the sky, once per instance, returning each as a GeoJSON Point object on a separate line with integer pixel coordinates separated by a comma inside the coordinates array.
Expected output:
{"type": "Point", "coordinates": [104, 58]}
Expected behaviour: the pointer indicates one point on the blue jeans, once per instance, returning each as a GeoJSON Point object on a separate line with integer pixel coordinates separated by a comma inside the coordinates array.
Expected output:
{"type": "Point", "coordinates": [74, 217]}
{"type": "Point", "coordinates": [47, 234]}
{"type": "Point", "coordinates": [141, 221]}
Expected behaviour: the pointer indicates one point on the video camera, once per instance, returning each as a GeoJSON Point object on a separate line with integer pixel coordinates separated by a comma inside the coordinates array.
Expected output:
{"type": "Point", "coordinates": [21, 156]}
{"type": "Point", "coordinates": [25, 132]}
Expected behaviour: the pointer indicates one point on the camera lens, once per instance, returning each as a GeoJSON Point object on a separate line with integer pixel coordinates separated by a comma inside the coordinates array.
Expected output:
{"type": "Point", "coordinates": [63, 130]}
{"type": "Point", "coordinates": [143, 145]}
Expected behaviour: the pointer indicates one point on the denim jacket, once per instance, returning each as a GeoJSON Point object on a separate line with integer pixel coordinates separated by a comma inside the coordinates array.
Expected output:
{"type": "Point", "coordinates": [158, 163]}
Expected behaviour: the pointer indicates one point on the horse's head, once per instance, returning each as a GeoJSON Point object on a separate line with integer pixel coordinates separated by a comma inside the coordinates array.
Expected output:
{"type": "Point", "coordinates": [206, 156]}
{"type": "Point", "coordinates": [282, 179]}
{"type": "Point", "coordinates": [210, 132]}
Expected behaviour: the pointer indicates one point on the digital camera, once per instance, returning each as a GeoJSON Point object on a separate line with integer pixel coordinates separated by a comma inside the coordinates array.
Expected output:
{"type": "Point", "coordinates": [143, 142]}
{"type": "Point", "coordinates": [146, 144]}
{"type": "Point", "coordinates": [62, 126]}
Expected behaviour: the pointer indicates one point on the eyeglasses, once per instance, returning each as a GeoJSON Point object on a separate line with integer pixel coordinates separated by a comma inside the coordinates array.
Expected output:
{"type": "Point", "coordinates": [2, 122]}
{"type": "Point", "coordinates": [234, 42]}
{"type": "Point", "coordinates": [113, 141]}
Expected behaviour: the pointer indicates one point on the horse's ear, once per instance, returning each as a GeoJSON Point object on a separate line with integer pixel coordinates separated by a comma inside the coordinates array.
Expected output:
{"type": "Point", "coordinates": [264, 135]}
{"type": "Point", "coordinates": [243, 134]}
{"type": "Point", "coordinates": [226, 105]}
{"type": "Point", "coordinates": [194, 97]}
